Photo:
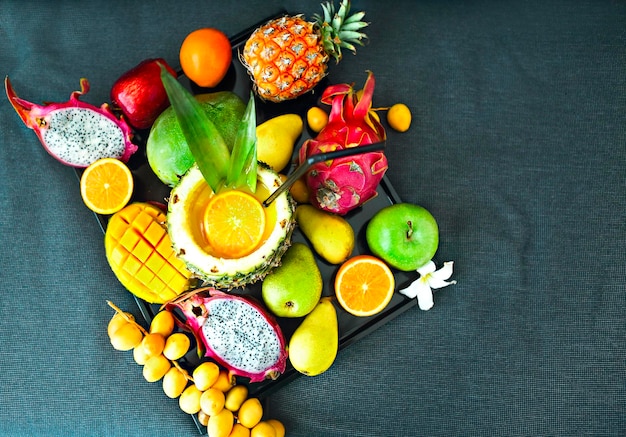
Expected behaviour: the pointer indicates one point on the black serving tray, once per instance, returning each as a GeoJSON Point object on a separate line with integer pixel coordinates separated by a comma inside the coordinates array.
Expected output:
{"type": "Point", "coordinates": [149, 188]}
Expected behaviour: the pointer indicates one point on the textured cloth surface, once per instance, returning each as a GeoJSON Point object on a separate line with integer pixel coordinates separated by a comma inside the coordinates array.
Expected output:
{"type": "Point", "coordinates": [518, 148]}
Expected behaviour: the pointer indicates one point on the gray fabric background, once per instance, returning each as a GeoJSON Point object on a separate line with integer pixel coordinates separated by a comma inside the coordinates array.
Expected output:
{"type": "Point", "coordinates": [518, 148]}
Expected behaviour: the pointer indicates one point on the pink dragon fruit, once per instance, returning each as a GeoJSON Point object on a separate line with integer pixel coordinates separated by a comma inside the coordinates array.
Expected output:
{"type": "Point", "coordinates": [74, 132]}
{"type": "Point", "coordinates": [237, 333]}
{"type": "Point", "coordinates": [340, 185]}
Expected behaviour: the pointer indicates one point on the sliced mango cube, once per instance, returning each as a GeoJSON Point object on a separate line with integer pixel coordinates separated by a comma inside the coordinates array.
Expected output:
{"type": "Point", "coordinates": [129, 239]}
{"type": "Point", "coordinates": [132, 265]}
{"type": "Point", "coordinates": [154, 233]}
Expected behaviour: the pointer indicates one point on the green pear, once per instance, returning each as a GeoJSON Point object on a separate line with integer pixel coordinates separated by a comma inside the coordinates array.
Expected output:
{"type": "Point", "coordinates": [294, 288]}
{"type": "Point", "coordinates": [314, 344]}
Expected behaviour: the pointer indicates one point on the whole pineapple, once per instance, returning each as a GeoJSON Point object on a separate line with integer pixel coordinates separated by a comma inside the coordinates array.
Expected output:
{"type": "Point", "coordinates": [288, 56]}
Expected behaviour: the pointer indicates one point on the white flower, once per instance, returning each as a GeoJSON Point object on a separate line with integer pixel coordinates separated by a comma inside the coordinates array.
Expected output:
{"type": "Point", "coordinates": [430, 278]}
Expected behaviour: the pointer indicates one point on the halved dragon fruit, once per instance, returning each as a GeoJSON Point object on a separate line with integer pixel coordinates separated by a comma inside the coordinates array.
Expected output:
{"type": "Point", "coordinates": [343, 184]}
{"type": "Point", "coordinates": [74, 132]}
{"type": "Point", "coordinates": [237, 333]}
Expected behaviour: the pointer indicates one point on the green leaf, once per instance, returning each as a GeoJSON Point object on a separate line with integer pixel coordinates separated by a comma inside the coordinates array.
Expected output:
{"type": "Point", "coordinates": [204, 140]}
{"type": "Point", "coordinates": [243, 163]}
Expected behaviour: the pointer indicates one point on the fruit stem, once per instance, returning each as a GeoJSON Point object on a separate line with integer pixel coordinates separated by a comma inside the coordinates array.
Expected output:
{"type": "Point", "coordinates": [125, 316]}
{"type": "Point", "coordinates": [183, 371]}
{"type": "Point", "coordinates": [409, 232]}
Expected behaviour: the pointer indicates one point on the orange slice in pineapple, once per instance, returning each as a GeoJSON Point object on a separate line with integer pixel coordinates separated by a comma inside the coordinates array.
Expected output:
{"type": "Point", "coordinates": [234, 223]}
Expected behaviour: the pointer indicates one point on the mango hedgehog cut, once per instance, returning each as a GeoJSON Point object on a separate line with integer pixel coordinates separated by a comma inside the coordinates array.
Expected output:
{"type": "Point", "coordinates": [139, 252]}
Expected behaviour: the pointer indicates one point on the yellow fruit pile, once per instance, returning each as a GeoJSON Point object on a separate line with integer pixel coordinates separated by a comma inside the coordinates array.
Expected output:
{"type": "Point", "coordinates": [211, 393]}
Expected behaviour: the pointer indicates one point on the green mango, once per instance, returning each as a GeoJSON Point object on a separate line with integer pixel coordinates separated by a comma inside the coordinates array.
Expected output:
{"type": "Point", "coordinates": [167, 151]}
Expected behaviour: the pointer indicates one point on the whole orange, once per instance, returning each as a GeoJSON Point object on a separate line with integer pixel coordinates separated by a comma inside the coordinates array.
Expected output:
{"type": "Point", "coordinates": [205, 56]}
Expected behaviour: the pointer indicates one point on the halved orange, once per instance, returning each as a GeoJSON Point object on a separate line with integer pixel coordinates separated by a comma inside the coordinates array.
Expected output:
{"type": "Point", "coordinates": [234, 223]}
{"type": "Point", "coordinates": [364, 285]}
{"type": "Point", "coordinates": [106, 186]}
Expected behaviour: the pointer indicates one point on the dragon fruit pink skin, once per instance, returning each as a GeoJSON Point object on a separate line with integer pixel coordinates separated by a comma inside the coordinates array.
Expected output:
{"type": "Point", "coordinates": [74, 132]}
{"type": "Point", "coordinates": [343, 184]}
{"type": "Point", "coordinates": [237, 333]}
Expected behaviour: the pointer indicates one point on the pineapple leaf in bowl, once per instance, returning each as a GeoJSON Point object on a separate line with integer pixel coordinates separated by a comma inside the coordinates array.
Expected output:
{"type": "Point", "coordinates": [243, 161]}
{"type": "Point", "coordinates": [204, 140]}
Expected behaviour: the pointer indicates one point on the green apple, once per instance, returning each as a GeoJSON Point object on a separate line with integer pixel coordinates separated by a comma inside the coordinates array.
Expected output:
{"type": "Point", "coordinates": [404, 235]}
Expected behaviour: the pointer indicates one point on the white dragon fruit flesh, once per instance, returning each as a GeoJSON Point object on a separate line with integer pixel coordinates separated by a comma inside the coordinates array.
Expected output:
{"type": "Point", "coordinates": [74, 132]}
{"type": "Point", "coordinates": [343, 184]}
{"type": "Point", "coordinates": [237, 333]}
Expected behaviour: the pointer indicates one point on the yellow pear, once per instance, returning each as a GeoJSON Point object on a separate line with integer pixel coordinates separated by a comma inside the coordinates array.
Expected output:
{"type": "Point", "coordinates": [331, 236]}
{"type": "Point", "coordinates": [276, 139]}
{"type": "Point", "coordinates": [314, 344]}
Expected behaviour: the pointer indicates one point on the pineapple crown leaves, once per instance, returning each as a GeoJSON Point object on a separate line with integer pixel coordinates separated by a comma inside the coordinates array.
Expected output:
{"type": "Point", "coordinates": [339, 29]}
{"type": "Point", "coordinates": [219, 167]}
{"type": "Point", "coordinates": [243, 161]}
